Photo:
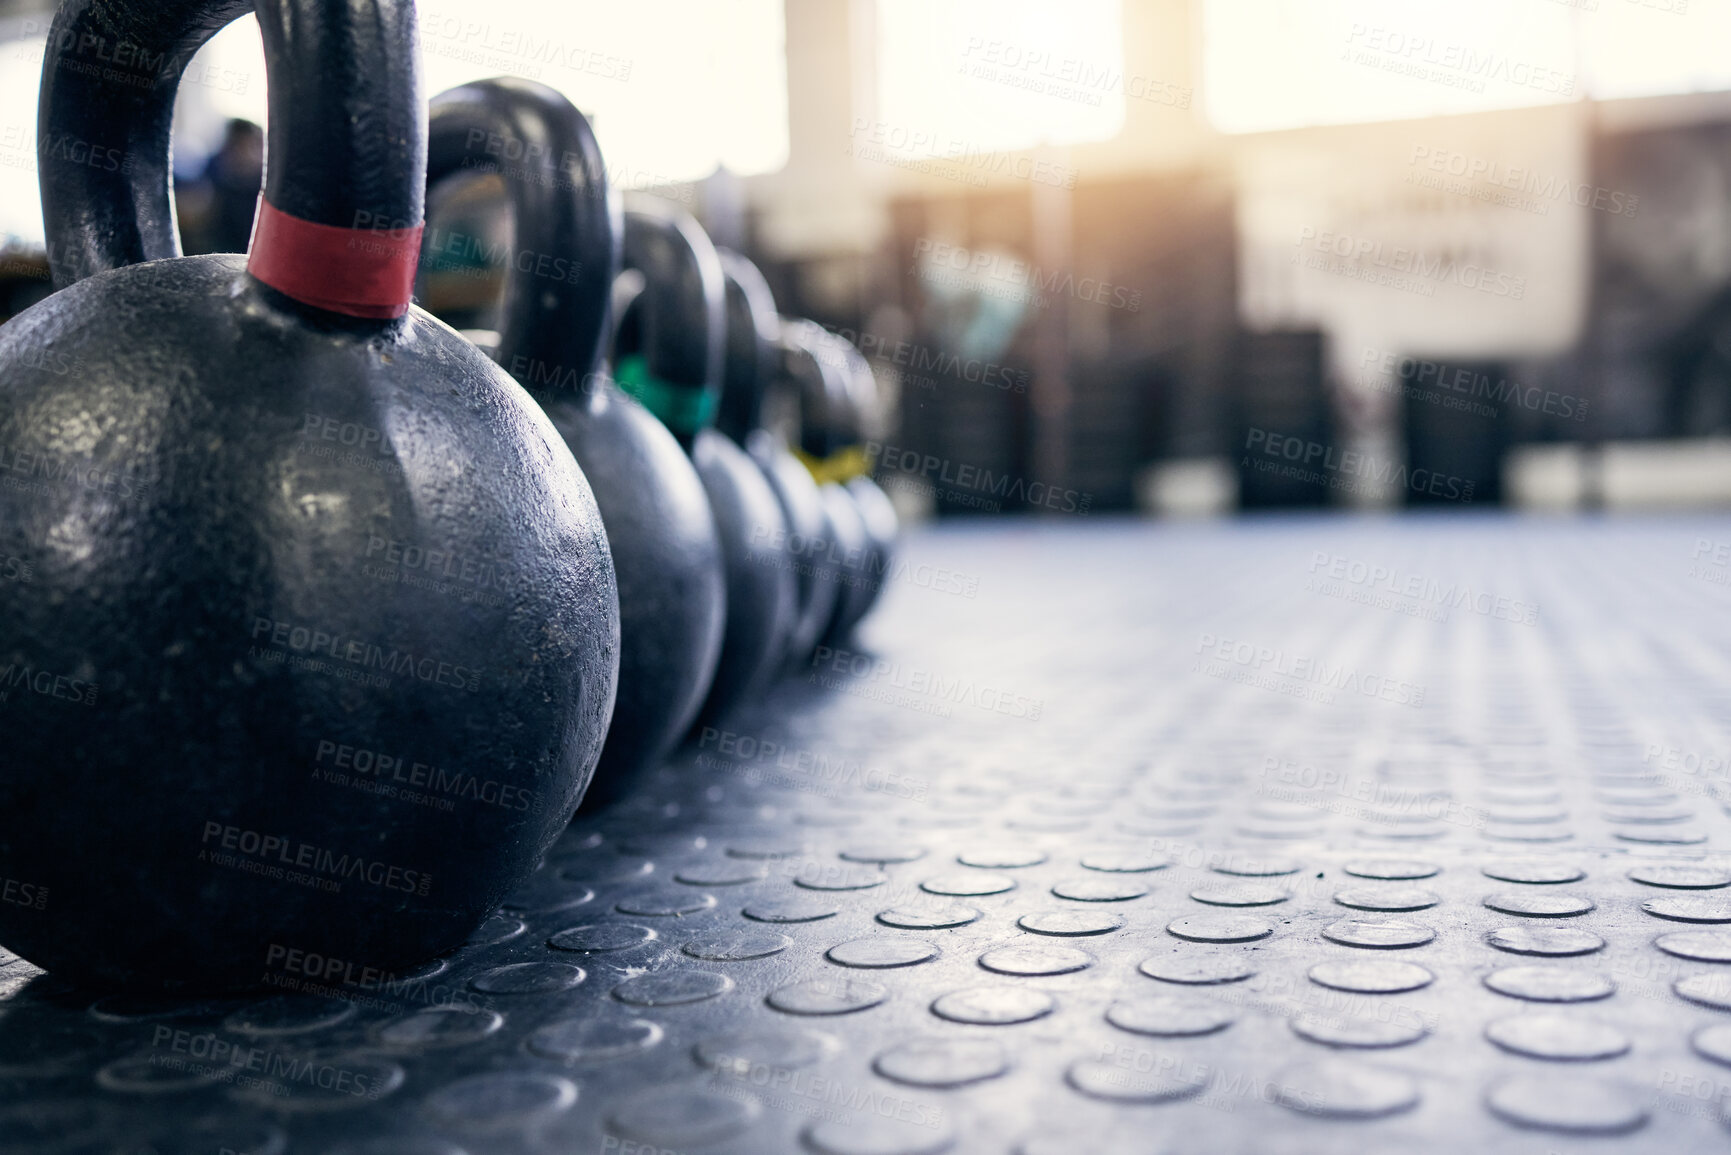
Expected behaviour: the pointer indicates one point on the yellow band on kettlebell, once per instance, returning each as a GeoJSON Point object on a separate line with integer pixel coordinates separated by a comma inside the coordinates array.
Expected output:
{"type": "Point", "coordinates": [841, 466]}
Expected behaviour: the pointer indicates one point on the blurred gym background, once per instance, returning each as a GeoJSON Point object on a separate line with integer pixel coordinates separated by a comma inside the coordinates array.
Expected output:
{"type": "Point", "coordinates": [1182, 257]}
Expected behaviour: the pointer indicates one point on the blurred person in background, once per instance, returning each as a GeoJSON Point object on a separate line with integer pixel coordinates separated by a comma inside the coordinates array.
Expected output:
{"type": "Point", "coordinates": [216, 208]}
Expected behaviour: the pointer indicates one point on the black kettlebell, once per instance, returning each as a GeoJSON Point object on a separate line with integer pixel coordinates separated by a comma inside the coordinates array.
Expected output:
{"type": "Point", "coordinates": [320, 642]}
{"type": "Point", "coordinates": [830, 450]}
{"type": "Point", "coordinates": [807, 384]}
{"type": "Point", "coordinates": [669, 347]}
{"type": "Point", "coordinates": [564, 259]}
{"type": "Point", "coordinates": [753, 362]}
{"type": "Point", "coordinates": [877, 511]}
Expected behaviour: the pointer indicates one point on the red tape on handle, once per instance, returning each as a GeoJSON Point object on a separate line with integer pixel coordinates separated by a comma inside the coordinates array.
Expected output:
{"type": "Point", "coordinates": [360, 272]}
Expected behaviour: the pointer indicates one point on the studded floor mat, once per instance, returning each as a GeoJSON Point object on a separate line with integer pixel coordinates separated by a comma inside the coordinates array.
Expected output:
{"type": "Point", "coordinates": [1291, 836]}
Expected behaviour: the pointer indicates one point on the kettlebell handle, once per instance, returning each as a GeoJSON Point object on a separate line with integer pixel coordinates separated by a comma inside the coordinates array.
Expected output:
{"type": "Point", "coordinates": [830, 444]}
{"type": "Point", "coordinates": [814, 360]}
{"type": "Point", "coordinates": [753, 334]}
{"type": "Point", "coordinates": [566, 250]}
{"type": "Point", "coordinates": [682, 314]}
{"type": "Point", "coordinates": [859, 390]}
{"type": "Point", "coordinates": [339, 220]}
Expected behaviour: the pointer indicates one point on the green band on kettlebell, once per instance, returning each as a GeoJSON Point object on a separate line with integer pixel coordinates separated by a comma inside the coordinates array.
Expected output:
{"type": "Point", "coordinates": [682, 408]}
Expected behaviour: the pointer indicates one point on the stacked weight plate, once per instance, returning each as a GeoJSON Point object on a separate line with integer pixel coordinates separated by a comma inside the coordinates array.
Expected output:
{"type": "Point", "coordinates": [1225, 846]}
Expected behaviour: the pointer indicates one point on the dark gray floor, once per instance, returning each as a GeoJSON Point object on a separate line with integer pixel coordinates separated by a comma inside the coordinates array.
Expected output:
{"type": "Point", "coordinates": [1287, 836]}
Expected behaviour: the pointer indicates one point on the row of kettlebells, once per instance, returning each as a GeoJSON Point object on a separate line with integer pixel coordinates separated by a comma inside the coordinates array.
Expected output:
{"type": "Point", "coordinates": [326, 618]}
{"type": "Point", "coordinates": [652, 352]}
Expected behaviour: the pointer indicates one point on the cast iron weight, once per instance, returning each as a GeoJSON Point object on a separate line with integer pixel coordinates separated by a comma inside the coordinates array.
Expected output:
{"type": "Point", "coordinates": [566, 255]}
{"type": "Point", "coordinates": [876, 510]}
{"type": "Point", "coordinates": [831, 448]}
{"type": "Point", "coordinates": [809, 370]}
{"type": "Point", "coordinates": [753, 363]}
{"type": "Point", "coordinates": [322, 638]}
{"type": "Point", "coordinates": [668, 352]}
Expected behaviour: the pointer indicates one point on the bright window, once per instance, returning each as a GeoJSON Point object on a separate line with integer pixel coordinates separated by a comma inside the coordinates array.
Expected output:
{"type": "Point", "coordinates": [675, 88]}
{"type": "Point", "coordinates": [1276, 64]}
{"type": "Point", "coordinates": [20, 201]}
{"type": "Point", "coordinates": [963, 76]}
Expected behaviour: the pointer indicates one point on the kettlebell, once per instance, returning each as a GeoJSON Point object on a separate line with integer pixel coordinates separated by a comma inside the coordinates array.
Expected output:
{"type": "Point", "coordinates": [564, 259]}
{"type": "Point", "coordinates": [669, 348]}
{"type": "Point", "coordinates": [831, 452]}
{"type": "Point", "coordinates": [322, 635]}
{"type": "Point", "coordinates": [877, 511]}
{"type": "Point", "coordinates": [753, 362]}
{"type": "Point", "coordinates": [805, 382]}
